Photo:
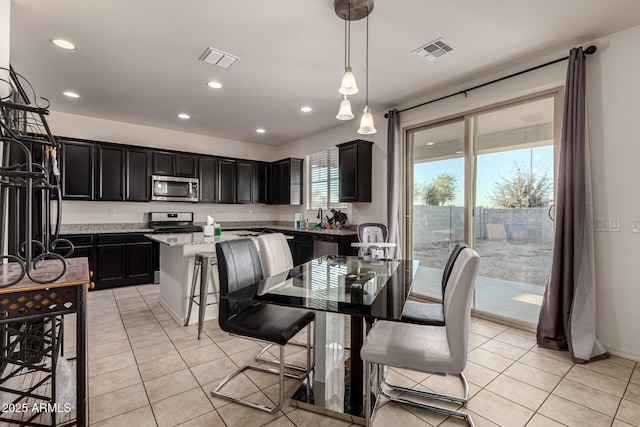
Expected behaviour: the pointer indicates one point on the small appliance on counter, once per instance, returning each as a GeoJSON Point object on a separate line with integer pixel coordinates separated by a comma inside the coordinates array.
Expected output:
{"type": "Point", "coordinates": [173, 222]}
{"type": "Point", "coordinates": [174, 189]}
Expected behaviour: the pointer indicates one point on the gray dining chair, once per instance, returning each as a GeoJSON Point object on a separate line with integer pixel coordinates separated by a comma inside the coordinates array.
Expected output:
{"type": "Point", "coordinates": [238, 268]}
{"type": "Point", "coordinates": [426, 348]}
{"type": "Point", "coordinates": [418, 308]}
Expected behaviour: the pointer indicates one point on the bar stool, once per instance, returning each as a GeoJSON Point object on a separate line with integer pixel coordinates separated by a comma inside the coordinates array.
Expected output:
{"type": "Point", "coordinates": [202, 263]}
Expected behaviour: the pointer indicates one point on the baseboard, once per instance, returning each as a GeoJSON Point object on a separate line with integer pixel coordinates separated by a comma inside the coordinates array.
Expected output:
{"type": "Point", "coordinates": [172, 313]}
{"type": "Point", "coordinates": [626, 354]}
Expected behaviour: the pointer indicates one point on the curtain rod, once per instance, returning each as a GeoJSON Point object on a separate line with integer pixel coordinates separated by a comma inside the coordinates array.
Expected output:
{"type": "Point", "coordinates": [588, 51]}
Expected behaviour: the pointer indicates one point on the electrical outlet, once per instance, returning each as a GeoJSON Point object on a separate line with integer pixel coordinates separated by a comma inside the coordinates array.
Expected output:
{"type": "Point", "coordinates": [111, 213]}
{"type": "Point", "coordinates": [635, 225]}
{"type": "Point", "coordinates": [606, 224]}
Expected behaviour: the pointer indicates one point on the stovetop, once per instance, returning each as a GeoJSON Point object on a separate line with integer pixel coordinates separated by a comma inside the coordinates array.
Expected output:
{"type": "Point", "coordinates": [166, 229]}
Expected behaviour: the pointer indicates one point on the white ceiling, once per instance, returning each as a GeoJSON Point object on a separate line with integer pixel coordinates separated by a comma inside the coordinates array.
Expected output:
{"type": "Point", "coordinates": [137, 61]}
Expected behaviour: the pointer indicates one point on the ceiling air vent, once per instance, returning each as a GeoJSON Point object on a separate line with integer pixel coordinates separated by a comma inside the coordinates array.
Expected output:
{"type": "Point", "coordinates": [217, 57]}
{"type": "Point", "coordinates": [434, 49]}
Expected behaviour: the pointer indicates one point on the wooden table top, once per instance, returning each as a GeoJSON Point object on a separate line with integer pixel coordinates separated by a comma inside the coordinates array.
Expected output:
{"type": "Point", "coordinates": [77, 274]}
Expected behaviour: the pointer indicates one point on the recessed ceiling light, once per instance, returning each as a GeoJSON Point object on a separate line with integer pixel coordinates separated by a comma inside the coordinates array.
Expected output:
{"type": "Point", "coordinates": [214, 85]}
{"type": "Point", "coordinates": [183, 116]}
{"type": "Point", "coordinates": [260, 130]}
{"type": "Point", "coordinates": [70, 94]}
{"type": "Point", "coordinates": [459, 152]}
{"type": "Point", "coordinates": [64, 44]}
{"type": "Point", "coordinates": [306, 109]}
{"type": "Point", "coordinates": [431, 143]}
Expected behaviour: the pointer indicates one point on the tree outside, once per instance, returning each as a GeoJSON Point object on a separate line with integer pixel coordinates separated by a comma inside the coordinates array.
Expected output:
{"type": "Point", "coordinates": [438, 192]}
{"type": "Point", "coordinates": [522, 189]}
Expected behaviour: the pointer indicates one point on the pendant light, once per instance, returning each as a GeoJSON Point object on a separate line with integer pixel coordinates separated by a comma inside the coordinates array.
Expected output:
{"type": "Point", "coordinates": [348, 86]}
{"type": "Point", "coordinates": [345, 109]}
{"type": "Point", "coordinates": [366, 122]}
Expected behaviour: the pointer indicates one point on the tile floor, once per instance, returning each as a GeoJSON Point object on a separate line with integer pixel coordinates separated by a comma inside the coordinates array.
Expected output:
{"type": "Point", "coordinates": [145, 370]}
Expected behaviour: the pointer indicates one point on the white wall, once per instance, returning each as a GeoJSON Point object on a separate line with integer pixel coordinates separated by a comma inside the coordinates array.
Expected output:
{"type": "Point", "coordinates": [79, 212]}
{"type": "Point", "coordinates": [612, 94]}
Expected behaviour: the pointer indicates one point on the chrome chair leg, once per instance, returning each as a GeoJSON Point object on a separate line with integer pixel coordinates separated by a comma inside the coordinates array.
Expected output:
{"type": "Point", "coordinates": [303, 371]}
{"type": "Point", "coordinates": [194, 280]}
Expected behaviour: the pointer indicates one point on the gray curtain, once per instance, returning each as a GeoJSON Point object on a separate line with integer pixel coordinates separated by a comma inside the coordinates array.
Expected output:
{"type": "Point", "coordinates": [568, 313]}
{"type": "Point", "coordinates": [393, 181]}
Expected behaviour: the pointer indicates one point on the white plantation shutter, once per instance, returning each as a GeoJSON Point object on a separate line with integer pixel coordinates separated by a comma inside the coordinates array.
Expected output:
{"type": "Point", "coordinates": [322, 180]}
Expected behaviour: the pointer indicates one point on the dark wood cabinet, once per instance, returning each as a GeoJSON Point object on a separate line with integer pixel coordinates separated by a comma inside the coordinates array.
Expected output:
{"type": "Point", "coordinates": [226, 181]}
{"type": "Point", "coordinates": [244, 181]}
{"type": "Point", "coordinates": [110, 179]}
{"type": "Point", "coordinates": [286, 182]}
{"type": "Point", "coordinates": [163, 163]}
{"type": "Point", "coordinates": [354, 159]}
{"type": "Point", "coordinates": [77, 172]}
{"type": "Point", "coordinates": [301, 247]}
{"type": "Point", "coordinates": [260, 183]}
{"type": "Point", "coordinates": [123, 260]}
{"type": "Point", "coordinates": [186, 165]}
{"type": "Point", "coordinates": [208, 174]}
{"type": "Point", "coordinates": [138, 184]}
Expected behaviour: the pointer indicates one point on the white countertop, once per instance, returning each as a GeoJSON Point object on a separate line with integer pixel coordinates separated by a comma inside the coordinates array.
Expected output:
{"type": "Point", "coordinates": [186, 239]}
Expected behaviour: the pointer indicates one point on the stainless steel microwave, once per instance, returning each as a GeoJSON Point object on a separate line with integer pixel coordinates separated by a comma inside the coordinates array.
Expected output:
{"type": "Point", "coordinates": [174, 189]}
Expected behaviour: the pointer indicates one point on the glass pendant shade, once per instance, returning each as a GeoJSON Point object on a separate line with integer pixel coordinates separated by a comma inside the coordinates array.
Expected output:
{"type": "Point", "coordinates": [344, 113]}
{"type": "Point", "coordinates": [366, 123]}
{"type": "Point", "coordinates": [348, 86]}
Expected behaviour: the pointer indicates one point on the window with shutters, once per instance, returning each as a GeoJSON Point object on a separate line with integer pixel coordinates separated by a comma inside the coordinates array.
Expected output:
{"type": "Point", "coordinates": [322, 180]}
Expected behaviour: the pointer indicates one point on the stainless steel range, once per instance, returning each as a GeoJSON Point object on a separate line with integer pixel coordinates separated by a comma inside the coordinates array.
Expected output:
{"type": "Point", "coordinates": [173, 222]}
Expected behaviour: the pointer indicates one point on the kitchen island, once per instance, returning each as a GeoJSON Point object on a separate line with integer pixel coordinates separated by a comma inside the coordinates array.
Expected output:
{"type": "Point", "coordinates": [177, 255]}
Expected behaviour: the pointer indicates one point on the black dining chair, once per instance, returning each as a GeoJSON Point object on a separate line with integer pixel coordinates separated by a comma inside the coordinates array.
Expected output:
{"type": "Point", "coordinates": [422, 311]}
{"type": "Point", "coordinates": [239, 267]}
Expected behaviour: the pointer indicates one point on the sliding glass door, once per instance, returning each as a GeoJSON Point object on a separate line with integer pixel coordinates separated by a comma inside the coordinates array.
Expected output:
{"type": "Point", "coordinates": [487, 178]}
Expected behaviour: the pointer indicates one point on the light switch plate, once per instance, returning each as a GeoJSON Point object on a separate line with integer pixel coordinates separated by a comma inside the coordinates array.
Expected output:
{"type": "Point", "coordinates": [606, 224]}
{"type": "Point", "coordinates": [635, 225]}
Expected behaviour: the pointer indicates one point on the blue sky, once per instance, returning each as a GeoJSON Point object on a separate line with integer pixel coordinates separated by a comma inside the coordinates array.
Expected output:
{"type": "Point", "coordinates": [491, 168]}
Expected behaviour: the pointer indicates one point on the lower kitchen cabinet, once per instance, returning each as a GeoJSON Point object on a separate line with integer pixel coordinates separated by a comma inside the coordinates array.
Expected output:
{"type": "Point", "coordinates": [301, 248]}
{"type": "Point", "coordinates": [119, 259]}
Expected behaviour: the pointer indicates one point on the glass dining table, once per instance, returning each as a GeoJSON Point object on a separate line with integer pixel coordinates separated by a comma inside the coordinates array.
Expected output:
{"type": "Point", "coordinates": [347, 294]}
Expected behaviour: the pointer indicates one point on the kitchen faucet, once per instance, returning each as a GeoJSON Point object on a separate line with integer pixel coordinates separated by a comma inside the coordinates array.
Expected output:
{"type": "Point", "coordinates": [319, 215]}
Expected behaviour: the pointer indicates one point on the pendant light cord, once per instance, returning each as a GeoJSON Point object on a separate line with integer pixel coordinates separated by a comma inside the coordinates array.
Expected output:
{"type": "Point", "coordinates": [348, 50]}
{"type": "Point", "coordinates": [367, 63]}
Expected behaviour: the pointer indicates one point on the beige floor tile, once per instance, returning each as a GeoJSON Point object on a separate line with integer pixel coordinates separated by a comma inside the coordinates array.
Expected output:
{"type": "Point", "coordinates": [190, 331]}
{"type": "Point", "coordinates": [414, 375]}
{"type": "Point", "coordinates": [111, 363]}
{"type": "Point", "coordinates": [499, 410]}
{"type": "Point", "coordinates": [163, 366]}
{"type": "Point", "coordinates": [238, 415]}
{"type": "Point", "coordinates": [618, 423]}
{"type": "Point", "coordinates": [545, 363]}
{"type": "Point", "coordinates": [520, 392]}
{"type": "Point", "coordinates": [113, 380]}
{"type": "Point", "coordinates": [596, 380]}
{"type": "Point", "coordinates": [144, 328]}
{"type": "Point", "coordinates": [108, 349]}
{"type": "Point", "coordinates": [533, 376]}
{"type": "Point", "coordinates": [503, 349]}
{"type": "Point", "coordinates": [148, 340]}
{"type": "Point", "coordinates": [236, 345]}
{"type": "Point", "coordinates": [486, 329]}
{"type": "Point", "coordinates": [555, 354]}
{"type": "Point", "coordinates": [516, 339]}
{"type": "Point", "coordinates": [133, 306]}
{"type": "Point", "coordinates": [451, 385]}
{"type": "Point", "coordinates": [262, 379]}
{"type": "Point", "coordinates": [622, 361]}
{"type": "Point", "coordinates": [210, 419]}
{"type": "Point", "coordinates": [102, 328]}
{"type": "Point", "coordinates": [283, 421]}
{"type": "Point", "coordinates": [181, 408]}
{"type": "Point", "coordinates": [489, 360]}
{"type": "Point", "coordinates": [141, 417]}
{"type": "Point", "coordinates": [290, 387]}
{"type": "Point", "coordinates": [154, 352]}
{"type": "Point", "coordinates": [526, 334]}
{"type": "Point", "coordinates": [635, 378]}
{"type": "Point", "coordinates": [476, 340]}
{"type": "Point", "coordinates": [169, 385]}
{"type": "Point", "coordinates": [199, 355]}
{"type": "Point", "coordinates": [573, 414]}
{"type": "Point", "coordinates": [393, 414]}
{"type": "Point", "coordinates": [542, 421]}
{"type": "Point", "coordinates": [479, 375]}
{"type": "Point", "coordinates": [191, 342]}
{"type": "Point", "coordinates": [107, 337]}
{"type": "Point", "coordinates": [239, 386]}
{"type": "Point", "coordinates": [629, 412]}
{"type": "Point", "coordinates": [150, 289]}
{"type": "Point", "coordinates": [217, 369]}
{"type": "Point", "coordinates": [611, 368]}
{"type": "Point", "coordinates": [302, 418]}
{"type": "Point", "coordinates": [588, 396]}
{"type": "Point", "coordinates": [116, 403]}
{"type": "Point", "coordinates": [633, 393]}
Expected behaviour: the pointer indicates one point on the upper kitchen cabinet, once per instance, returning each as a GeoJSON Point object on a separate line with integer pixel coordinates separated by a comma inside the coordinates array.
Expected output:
{"type": "Point", "coordinates": [286, 182]}
{"type": "Point", "coordinates": [110, 179]}
{"type": "Point", "coordinates": [137, 171]}
{"type": "Point", "coordinates": [354, 170]}
{"type": "Point", "coordinates": [77, 170]}
{"type": "Point", "coordinates": [208, 167]}
{"type": "Point", "coordinates": [175, 164]}
{"type": "Point", "coordinates": [244, 181]}
{"type": "Point", "coordinates": [226, 191]}
{"type": "Point", "coordinates": [260, 182]}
